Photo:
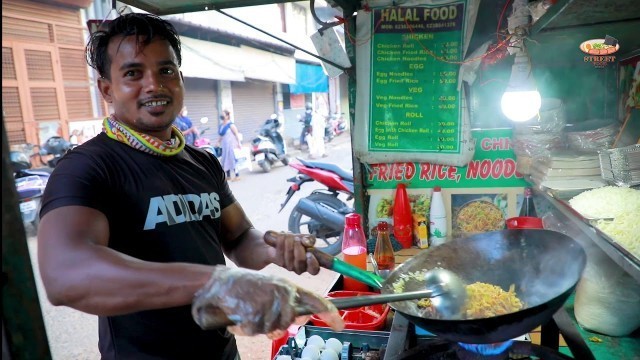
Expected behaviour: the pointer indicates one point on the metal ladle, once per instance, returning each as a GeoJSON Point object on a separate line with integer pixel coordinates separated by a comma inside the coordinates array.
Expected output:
{"type": "Point", "coordinates": [445, 289]}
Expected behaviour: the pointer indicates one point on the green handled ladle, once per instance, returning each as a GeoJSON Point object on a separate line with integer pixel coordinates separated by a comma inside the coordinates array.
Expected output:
{"type": "Point", "coordinates": [446, 289]}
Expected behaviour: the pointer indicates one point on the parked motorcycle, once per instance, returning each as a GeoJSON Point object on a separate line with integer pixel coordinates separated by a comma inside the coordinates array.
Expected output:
{"type": "Point", "coordinates": [30, 184]}
{"type": "Point", "coordinates": [337, 123]}
{"type": "Point", "coordinates": [204, 142]}
{"type": "Point", "coordinates": [56, 147]}
{"type": "Point", "coordinates": [321, 213]}
{"type": "Point", "coordinates": [269, 147]}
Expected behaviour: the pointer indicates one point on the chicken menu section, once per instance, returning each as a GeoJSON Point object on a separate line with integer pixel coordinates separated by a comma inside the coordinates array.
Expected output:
{"type": "Point", "coordinates": [414, 98]}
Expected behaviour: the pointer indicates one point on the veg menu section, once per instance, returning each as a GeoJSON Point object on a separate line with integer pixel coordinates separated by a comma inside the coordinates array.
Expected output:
{"type": "Point", "coordinates": [414, 98]}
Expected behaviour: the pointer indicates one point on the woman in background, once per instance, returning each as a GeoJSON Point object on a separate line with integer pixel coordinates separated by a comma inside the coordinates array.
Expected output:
{"type": "Point", "coordinates": [229, 140]}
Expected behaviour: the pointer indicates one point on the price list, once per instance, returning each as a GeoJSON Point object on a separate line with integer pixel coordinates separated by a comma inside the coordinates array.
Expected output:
{"type": "Point", "coordinates": [415, 103]}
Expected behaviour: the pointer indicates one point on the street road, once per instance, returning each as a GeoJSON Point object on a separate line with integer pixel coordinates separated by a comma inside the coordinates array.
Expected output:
{"type": "Point", "coordinates": [73, 335]}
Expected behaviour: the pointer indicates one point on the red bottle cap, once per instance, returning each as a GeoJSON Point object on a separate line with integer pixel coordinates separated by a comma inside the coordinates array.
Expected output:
{"type": "Point", "coordinates": [437, 189]}
{"type": "Point", "coordinates": [383, 226]}
{"type": "Point", "coordinates": [352, 219]}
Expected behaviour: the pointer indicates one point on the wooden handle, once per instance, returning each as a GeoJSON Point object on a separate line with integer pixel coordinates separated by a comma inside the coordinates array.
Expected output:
{"type": "Point", "coordinates": [325, 260]}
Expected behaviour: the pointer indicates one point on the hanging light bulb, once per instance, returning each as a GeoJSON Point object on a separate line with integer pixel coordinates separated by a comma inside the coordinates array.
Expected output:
{"type": "Point", "coordinates": [521, 101]}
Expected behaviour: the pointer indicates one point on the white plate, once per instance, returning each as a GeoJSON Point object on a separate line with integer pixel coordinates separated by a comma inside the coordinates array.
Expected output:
{"type": "Point", "coordinates": [259, 156]}
{"type": "Point", "coordinates": [28, 206]}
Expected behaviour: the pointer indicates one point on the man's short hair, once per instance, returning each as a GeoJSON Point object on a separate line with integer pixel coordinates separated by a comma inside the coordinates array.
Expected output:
{"type": "Point", "coordinates": [145, 27]}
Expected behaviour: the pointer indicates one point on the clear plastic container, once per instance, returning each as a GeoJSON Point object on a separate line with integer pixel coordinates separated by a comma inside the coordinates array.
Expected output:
{"type": "Point", "coordinates": [354, 250]}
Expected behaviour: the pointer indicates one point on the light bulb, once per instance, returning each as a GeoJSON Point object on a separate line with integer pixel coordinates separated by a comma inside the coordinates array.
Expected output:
{"type": "Point", "coordinates": [521, 105]}
{"type": "Point", "coordinates": [521, 101]}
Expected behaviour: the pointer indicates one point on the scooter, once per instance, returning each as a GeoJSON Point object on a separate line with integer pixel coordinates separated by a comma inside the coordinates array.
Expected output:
{"type": "Point", "coordinates": [337, 123]}
{"type": "Point", "coordinates": [205, 144]}
{"type": "Point", "coordinates": [30, 186]}
{"type": "Point", "coordinates": [322, 212]}
{"type": "Point", "coordinates": [57, 147]}
{"type": "Point", "coordinates": [269, 146]}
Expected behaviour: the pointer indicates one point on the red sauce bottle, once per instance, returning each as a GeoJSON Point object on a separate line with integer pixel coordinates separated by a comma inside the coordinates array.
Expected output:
{"type": "Point", "coordinates": [402, 218]}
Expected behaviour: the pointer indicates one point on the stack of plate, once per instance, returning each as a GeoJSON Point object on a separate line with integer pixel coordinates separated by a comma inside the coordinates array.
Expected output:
{"type": "Point", "coordinates": [621, 166]}
{"type": "Point", "coordinates": [567, 173]}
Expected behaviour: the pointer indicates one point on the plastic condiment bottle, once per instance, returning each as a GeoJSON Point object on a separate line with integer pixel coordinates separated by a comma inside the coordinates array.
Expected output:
{"type": "Point", "coordinates": [437, 218]}
{"type": "Point", "coordinates": [402, 218]}
{"type": "Point", "coordinates": [354, 250]}
{"type": "Point", "coordinates": [383, 253]}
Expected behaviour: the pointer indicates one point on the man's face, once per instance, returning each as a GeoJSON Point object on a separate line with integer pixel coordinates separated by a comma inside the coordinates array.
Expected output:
{"type": "Point", "coordinates": [146, 86]}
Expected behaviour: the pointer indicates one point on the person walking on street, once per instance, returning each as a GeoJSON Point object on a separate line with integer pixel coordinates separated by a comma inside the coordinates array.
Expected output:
{"type": "Point", "coordinates": [316, 143]}
{"type": "Point", "coordinates": [184, 124]}
{"type": "Point", "coordinates": [135, 226]}
{"type": "Point", "coordinates": [306, 125]}
{"type": "Point", "coordinates": [229, 140]}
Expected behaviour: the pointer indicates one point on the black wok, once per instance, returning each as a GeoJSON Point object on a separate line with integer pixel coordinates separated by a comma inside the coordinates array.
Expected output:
{"type": "Point", "coordinates": [544, 266]}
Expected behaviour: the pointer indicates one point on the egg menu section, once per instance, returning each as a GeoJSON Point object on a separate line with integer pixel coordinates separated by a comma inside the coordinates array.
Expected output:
{"type": "Point", "coordinates": [415, 102]}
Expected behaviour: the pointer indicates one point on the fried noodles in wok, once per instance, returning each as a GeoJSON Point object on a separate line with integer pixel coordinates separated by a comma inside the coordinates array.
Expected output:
{"type": "Point", "coordinates": [483, 300]}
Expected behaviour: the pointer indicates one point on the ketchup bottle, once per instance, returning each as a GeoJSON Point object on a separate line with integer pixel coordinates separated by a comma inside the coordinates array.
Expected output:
{"type": "Point", "coordinates": [402, 218]}
{"type": "Point", "coordinates": [354, 250]}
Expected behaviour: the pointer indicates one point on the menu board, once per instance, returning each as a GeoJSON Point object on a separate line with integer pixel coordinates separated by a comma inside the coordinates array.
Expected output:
{"type": "Point", "coordinates": [414, 97]}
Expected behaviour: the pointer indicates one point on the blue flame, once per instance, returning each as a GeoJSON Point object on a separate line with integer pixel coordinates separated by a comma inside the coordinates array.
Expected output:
{"type": "Point", "coordinates": [487, 349]}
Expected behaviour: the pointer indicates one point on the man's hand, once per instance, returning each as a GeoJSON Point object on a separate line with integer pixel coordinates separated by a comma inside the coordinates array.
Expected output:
{"type": "Point", "coordinates": [291, 251]}
{"type": "Point", "coordinates": [257, 303]}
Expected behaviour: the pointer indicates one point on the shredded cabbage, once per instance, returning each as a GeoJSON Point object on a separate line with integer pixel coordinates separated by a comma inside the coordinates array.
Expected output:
{"type": "Point", "coordinates": [625, 230]}
{"type": "Point", "coordinates": [606, 202]}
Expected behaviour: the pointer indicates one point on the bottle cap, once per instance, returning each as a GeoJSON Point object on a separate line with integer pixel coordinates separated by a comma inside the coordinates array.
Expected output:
{"type": "Point", "coordinates": [437, 189]}
{"type": "Point", "coordinates": [383, 226]}
{"type": "Point", "coordinates": [352, 219]}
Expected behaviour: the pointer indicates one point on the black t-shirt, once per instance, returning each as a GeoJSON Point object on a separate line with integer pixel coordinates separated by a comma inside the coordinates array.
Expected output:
{"type": "Point", "coordinates": [161, 209]}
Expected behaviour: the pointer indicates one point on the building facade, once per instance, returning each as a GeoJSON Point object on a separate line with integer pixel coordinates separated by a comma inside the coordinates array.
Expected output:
{"type": "Point", "coordinates": [48, 89]}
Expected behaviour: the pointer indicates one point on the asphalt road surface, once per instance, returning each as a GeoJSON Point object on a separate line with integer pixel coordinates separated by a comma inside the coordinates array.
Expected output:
{"type": "Point", "coordinates": [73, 335]}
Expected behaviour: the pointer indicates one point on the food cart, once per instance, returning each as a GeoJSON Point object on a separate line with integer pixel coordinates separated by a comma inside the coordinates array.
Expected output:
{"type": "Point", "coordinates": [484, 99]}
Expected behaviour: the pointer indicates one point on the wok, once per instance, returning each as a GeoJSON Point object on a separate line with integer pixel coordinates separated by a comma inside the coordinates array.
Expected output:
{"type": "Point", "coordinates": [544, 266]}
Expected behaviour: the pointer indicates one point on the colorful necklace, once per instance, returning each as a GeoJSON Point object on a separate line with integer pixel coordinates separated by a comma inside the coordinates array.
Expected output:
{"type": "Point", "coordinates": [143, 142]}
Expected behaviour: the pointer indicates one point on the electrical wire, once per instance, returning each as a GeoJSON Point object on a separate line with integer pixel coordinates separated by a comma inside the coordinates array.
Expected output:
{"type": "Point", "coordinates": [500, 19]}
{"type": "Point", "coordinates": [323, 25]}
{"type": "Point", "coordinates": [442, 59]}
{"type": "Point", "coordinates": [286, 42]}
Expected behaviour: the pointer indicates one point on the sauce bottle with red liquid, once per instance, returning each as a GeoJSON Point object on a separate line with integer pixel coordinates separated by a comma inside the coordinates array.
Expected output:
{"type": "Point", "coordinates": [402, 217]}
{"type": "Point", "coordinates": [354, 250]}
{"type": "Point", "coordinates": [383, 253]}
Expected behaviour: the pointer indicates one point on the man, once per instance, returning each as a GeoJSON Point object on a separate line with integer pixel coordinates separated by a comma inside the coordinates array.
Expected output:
{"type": "Point", "coordinates": [183, 122]}
{"type": "Point", "coordinates": [134, 223]}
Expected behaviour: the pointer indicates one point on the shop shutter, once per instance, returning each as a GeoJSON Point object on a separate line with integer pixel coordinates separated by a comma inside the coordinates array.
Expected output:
{"type": "Point", "coordinates": [41, 11]}
{"type": "Point", "coordinates": [201, 99]}
{"type": "Point", "coordinates": [13, 119]}
{"type": "Point", "coordinates": [29, 30]}
{"type": "Point", "coordinates": [76, 84]}
{"type": "Point", "coordinates": [253, 103]}
{"type": "Point", "coordinates": [13, 122]}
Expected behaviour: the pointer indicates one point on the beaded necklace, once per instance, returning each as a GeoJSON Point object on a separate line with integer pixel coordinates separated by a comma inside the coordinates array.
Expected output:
{"type": "Point", "coordinates": [143, 142]}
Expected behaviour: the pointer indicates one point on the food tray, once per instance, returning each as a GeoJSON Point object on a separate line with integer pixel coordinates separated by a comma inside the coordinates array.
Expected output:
{"type": "Point", "coordinates": [621, 166]}
{"type": "Point", "coordinates": [372, 317]}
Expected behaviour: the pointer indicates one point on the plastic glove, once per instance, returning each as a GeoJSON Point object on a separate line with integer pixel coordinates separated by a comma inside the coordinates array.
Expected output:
{"type": "Point", "coordinates": [257, 303]}
{"type": "Point", "coordinates": [291, 251]}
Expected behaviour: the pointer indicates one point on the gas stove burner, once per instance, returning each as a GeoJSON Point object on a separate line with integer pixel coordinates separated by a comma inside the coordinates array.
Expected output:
{"type": "Point", "coordinates": [487, 349]}
{"type": "Point", "coordinates": [444, 350]}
